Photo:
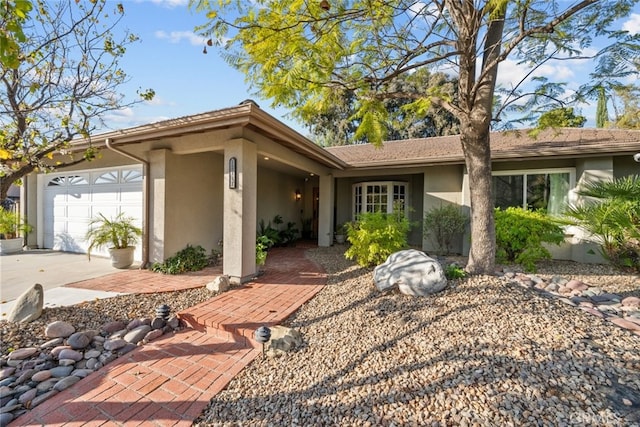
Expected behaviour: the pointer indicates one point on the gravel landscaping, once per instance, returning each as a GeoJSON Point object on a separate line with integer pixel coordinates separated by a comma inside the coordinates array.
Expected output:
{"type": "Point", "coordinates": [485, 351]}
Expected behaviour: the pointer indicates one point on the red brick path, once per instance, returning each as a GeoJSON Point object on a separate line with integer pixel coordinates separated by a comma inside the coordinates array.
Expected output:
{"type": "Point", "coordinates": [170, 381]}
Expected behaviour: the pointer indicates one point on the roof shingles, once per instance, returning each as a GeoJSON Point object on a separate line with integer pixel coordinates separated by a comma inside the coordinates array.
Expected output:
{"type": "Point", "coordinates": [504, 145]}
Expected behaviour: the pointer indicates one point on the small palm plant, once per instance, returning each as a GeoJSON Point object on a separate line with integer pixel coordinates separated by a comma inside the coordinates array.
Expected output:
{"type": "Point", "coordinates": [612, 216]}
{"type": "Point", "coordinates": [112, 233]}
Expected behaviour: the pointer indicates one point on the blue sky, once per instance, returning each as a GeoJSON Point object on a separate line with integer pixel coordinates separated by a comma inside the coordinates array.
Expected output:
{"type": "Point", "coordinates": [169, 59]}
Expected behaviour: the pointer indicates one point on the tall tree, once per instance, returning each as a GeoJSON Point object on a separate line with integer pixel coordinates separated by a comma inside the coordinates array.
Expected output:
{"type": "Point", "coordinates": [562, 117]}
{"type": "Point", "coordinates": [626, 102]}
{"type": "Point", "coordinates": [300, 53]}
{"type": "Point", "coordinates": [338, 123]}
{"type": "Point", "coordinates": [602, 114]}
{"type": "Point", "coordinates": [66, 79]}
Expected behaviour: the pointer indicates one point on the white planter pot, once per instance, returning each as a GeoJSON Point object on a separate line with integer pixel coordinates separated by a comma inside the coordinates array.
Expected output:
{"type": "Point", "coordinates": [122, 258]}
{"type": "Point", "coordinates": [9, 246]}
{"type": "Point", "coordinates": [340, 238]}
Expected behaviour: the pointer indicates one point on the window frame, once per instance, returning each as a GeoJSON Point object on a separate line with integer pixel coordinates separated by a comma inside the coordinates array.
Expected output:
{"type": "Point", "coordinates": [524, 172]}
{"type": "Point", "coordinates": [359, 196]}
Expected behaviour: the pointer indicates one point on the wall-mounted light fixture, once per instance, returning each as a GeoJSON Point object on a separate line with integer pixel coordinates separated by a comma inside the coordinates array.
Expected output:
{"type": "Point", "coordinates": [298, 195]}
{"type": "Point", "coordinates": [233, 173]}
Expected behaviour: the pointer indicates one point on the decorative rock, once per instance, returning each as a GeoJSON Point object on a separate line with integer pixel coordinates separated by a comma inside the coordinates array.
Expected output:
{"type": "Point", "coordinates": [114, 344]}
{"type": "Point", "coordinates": [55, 352]}
{"type": "Point", "coordinates": [412, 271]}
{"type": "Point", "coordinates": [219, 284]}
{"type": "Point", "coordinates": [70, 354]}
{"type": "Point", "coordinates": [283, 340]}
{"type": "Point", "coordinates": [39, 399]}
{"type": "Point", "coordinates": [22, 353]}
{"type": "Point", "coordinates": [126, 349]}
{"type": "Point", "coordinates": [79, 340]}
{"type": "Point", "coordinates": [137, 334]}
{"type": "Point", "coordinates": [6, 418]}
{"type": "Point", "coordinates": [138, 322]}
{"type": "Point", "coordinates": [47, 385]}
{"type": "Point", "coordinates": [28, 306]}
{"type": "Point", "coordinates": [152, 335]}
{"type": "Point", "coordinates": [25, 376]}
{"type": "Point", "coordinates": [66, 362]}
{"type": "Point", "coordinates": [576, 285]}
{"type": "Point", "coordinates": [27, 396]}
{"type": "Point", "coordinates": [623, 323]}
{"type": "Point", "coordinates": [91, 353]}
{"type": "Point", "coordinates": [631, 301]}
{"type": "Point", "coordinates": [605, 298]}
{"type": "Point", "coordinates": [81, 373]}
{"type": "Point", "coordinates": [59, 329]}
{"type": "Point", "coordinates": [6, 372]}
{"type": "Point", "coordinates": [52, 343]}
{"type": "Point", "coordinates": [92, 363]}
{"type": "Point", "coordinates": [61, 371]}
{"type": "Point", "coordinates": [158, 323]}
{"type": "Point", "coordinates": [112, 327]}
{"type": "Point", "coordinates": [174, 322]}
{"type": "Point", "coordinates": [41, 376]}
{"type": "Point", "coordinates": [65, 383]}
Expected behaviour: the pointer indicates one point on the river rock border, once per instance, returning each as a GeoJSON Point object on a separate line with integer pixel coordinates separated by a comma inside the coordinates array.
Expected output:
{"type": "Point", "coordinates": [621, 311]}
{"type": "Point", "coordinates": [31, 375]}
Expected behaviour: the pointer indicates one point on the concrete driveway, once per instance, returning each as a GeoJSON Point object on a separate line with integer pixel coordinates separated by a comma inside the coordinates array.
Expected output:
{"type": "Point", "coordinates": [52, 269]}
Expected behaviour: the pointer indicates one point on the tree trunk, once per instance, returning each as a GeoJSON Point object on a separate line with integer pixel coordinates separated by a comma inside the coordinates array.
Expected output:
{"type": "Point", "coordinates": [477, 151]}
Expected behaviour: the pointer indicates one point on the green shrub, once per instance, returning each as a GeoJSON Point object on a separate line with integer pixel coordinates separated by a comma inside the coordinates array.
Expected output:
{"type": "Point", "coordinates": [520, 234]}
{"type": "Point", "coordinates": [375, 236]}
{"type": "Point", "coordinates": [453, 271]}
{"type": "Point", "coordinates": [612, 218]}
{"type": "Point", "coordinates": [191, 258]}
{"type": "Point", "coordinates": [442, 225]}
{"type": "Point", "coordinates": [263, 243]}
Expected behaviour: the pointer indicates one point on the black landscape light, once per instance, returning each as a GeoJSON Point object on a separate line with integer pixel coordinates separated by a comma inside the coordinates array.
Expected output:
{"type": "Point", "coordinates": [163, 311]}
{"type": "Point", "coordinates": [262, 335]}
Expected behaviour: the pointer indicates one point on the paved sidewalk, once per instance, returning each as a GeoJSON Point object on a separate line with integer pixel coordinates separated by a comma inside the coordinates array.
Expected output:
{"type": "Point", "coordinates": [170, 381]}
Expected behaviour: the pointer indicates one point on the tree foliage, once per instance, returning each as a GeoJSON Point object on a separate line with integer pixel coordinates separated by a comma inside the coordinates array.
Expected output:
{"type": "Point", "coordinates": [304, 55]}
{"type": "Point", "coordinates": [611, 215]}
{"type": "Point", "coordinates": [626, 102]}
{"type": "Point", "coordinates": [13, 14]}
{"type": "Point", "coordinates": [562, 117]}
{"type": "Point", "coordinates": [66, 79]}
{"type": "Point", "coordinates": [338, 123]}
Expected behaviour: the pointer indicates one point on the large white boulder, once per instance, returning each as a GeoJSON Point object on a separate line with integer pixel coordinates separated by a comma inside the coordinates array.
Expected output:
{"type": "Point", "coordinates": [28, 306]}
{"type": "Point", "coordinates": [412, 271]}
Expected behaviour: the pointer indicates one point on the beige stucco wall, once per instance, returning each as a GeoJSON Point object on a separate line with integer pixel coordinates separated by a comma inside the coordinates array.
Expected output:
{"type": "Point", "coordinates": [442, 186]}
{"type": "Point", "coordinates": [193, 202]}
{"type": "Point", "coordinates": [276, 196]}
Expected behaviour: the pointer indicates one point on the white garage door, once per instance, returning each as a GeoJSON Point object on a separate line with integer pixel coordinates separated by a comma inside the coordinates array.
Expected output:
{"type": "Point", "coordinates": [71, 199]}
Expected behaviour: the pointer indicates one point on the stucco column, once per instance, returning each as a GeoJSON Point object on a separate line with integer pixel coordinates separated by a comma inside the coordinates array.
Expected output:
{"type": "Point", "coordinates": [240, 205]}
{"type": "Point", "coordinates": [325, 210]}
{"type": "Point", "coordinates": [157, 203]}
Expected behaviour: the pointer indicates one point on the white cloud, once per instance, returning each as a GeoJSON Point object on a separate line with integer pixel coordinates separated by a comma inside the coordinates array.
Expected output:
{"type": "Point", "coordinates": [633, 24]}
{"type": "Point", "coordinates": [178, 36]}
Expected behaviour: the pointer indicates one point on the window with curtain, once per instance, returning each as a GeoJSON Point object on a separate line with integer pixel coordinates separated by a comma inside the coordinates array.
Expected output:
{"type": "Point", "coordinates": [535, 190]}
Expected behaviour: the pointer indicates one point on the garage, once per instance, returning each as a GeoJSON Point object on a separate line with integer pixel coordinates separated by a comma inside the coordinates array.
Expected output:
{"type": "Point", "coordinates": [71, 199]}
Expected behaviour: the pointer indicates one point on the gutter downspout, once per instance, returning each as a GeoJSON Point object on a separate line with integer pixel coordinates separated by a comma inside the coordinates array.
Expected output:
{"type": "Point", "coordinates": [145, 199]}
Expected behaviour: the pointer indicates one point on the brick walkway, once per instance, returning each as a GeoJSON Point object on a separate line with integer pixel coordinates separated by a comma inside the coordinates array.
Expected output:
{"type": "Point", "coordinates": [170, 381]}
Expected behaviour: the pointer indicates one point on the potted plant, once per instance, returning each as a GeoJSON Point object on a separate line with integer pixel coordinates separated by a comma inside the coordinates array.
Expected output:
{"type": "Point", "coordinates": [12, 230]}
{"type": "Point", "coordinates": [341, 231]}
{"type": "Point", "coordinates": [263, 243]}
{"type": "Point", "coordinates": [119, 235]}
